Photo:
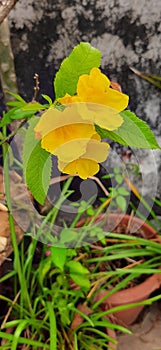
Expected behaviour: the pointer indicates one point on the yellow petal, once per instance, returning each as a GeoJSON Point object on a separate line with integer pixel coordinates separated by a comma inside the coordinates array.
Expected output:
{"type": "Point", "coordinates": [87, 84]}
{"type": "Point", "coordinates": [100, 80]}
{"type": "Point", "coordinates": [95, 88]}
{"type": "Point", "coordinates": [57, 140]}
{"type": "Point", "coordinates": [96, 150]}
{"type": "Point", "coordinates": [67, 168]}
{"type": "Point", "coordinates": [67, 99]}
{"type": "Point", "coordinates": [54, 118]}
{"type": "Point", "coordinates": [115, 99]}
{"type": "Point", "coordinates": [86, 168]}
{"type": "Point", "coordinates": [86, 165]}
{"type": "Point", "coordinates": [83, 167]}
{"type": "Point", "coordinates": [96, 137]}
{"type": "Point", "coordinates": [71, 150]}
{"type": "Point", "coordinates": [99, 114]}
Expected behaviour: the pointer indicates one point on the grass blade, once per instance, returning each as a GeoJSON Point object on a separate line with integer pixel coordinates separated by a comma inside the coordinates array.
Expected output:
{"type": "Point", "coordinates": [53, 329]}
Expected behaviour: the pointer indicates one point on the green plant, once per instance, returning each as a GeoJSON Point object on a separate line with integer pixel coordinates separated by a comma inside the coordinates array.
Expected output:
{"type": "Point", "coordinates": [48, 290]}
{"type": "Point", "coordinates": [118, 193]}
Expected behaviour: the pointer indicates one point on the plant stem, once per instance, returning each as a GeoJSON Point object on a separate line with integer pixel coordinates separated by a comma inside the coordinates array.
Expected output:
{"type": "Point", "coordinates": [7, 138]}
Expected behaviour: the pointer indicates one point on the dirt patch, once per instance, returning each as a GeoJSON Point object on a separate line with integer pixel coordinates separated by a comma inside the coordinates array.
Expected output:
{"type": "Point", "coordinates": [5, 239]}
{"type": "Point", "coordinates": [146, 332]}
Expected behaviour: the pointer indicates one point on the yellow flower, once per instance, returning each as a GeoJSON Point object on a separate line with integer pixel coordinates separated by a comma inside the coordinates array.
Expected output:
{"type": "Point", "coordinates": [104, 116]}
{"type": "Point", "coordinates": [70, 134]}
{"type": "Point", "coordinates": [87, 164]}
{"type": "Point", "coordinates": [64, 133]}
{"type": "Point", "coordinates": [95, 90]}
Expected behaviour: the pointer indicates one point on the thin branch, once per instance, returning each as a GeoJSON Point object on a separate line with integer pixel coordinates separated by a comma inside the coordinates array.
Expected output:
{"type": "Point", "coordinates": [9, 310]}
{"type": "Point", "coordinates": [5, 7]}
{"type": "Point", "coordinates": [65, 177]}
{"type": "Point", "coordinates": [100, 184]}
{"type": "Point", "coordinates": [13, 133]}
{"type": "Point", "coordinates": [36, 87]}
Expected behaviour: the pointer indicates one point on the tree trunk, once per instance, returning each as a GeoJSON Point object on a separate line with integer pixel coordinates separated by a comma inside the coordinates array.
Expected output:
{"type": "Point", "coordinates": [7, 71]}
{"type": "Point", "coordinates": [5, 8]}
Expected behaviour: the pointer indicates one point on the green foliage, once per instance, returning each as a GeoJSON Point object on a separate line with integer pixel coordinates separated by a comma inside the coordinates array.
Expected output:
{"type": "Point", "coordinates": [29, 142]}
{"type": "Point", "coordinates": [48, 99]}
{"type": "Point", "coordinates": [34, 106]}
{"type": "Point", "coordinates": [22, 110]}
{"type": "Point", "coordinates": [17, 97]}
{"type": "Point", "coordinates": [133, 132]}
{"type": "Point", "coordinates": [121, 202]}
{"type": "Point", "coordinates": [68, 235]}
{"type": "Point", "coordinates": [58, 256]}
{"type": "Point", "coordinates": [78, 273]}
{"type": "Point", "coordinates": [82, 59]}
{"type": "Point", "coordinates": [38, 172]}
{"type": "Point", "coordinates": [36, 164]}
{"type": "Point", "coordinates": [117, 193]}
{"type": "Point", "coordinates": [17, 113]}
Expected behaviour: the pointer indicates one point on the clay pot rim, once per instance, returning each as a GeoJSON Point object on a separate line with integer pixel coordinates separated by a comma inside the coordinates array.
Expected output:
{"type": "Point", "coordinates": [122, 217]}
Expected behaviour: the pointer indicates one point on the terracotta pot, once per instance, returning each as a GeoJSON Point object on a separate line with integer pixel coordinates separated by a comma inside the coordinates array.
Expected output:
{"type": "Point", "coordinates": [133, 294]}
{"type": "Point", "coordinates": [78, 320]}
{"type": "Point", "coordinates": [140, 292]}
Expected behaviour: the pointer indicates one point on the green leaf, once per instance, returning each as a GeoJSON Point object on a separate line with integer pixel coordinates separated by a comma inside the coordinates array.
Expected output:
{"type": "Point", "coordinates": [48, 99]}
{"type": "Point", "coordinates": [38, 172]}
{"type": "Point", "coordinates": [7, 117]}
{"type": "Point", "coordinates": [90, 211]}
{"type": "Point", "coordinates": [29, 143]}
{"type": "Point", "coordinates": [119, 179]}
{"type": "Point", "coordinates": [121, 202]}
{"type": "Point", "coordinates": [44, 268]}
{"type": "Point", "coordinates": [53, 326]}
{"type": "Point", "coordinates": [80, 280]}
{"type": "Point", "coordinates": [34, 106]}
{"type": "Point", "coordinates": [17, 97]}
{"type": "Point", "coordinates": [67, 235]}
{"type": "Point", "coordinates": [58, 256]}
{"type": "Point", "coordinates": [15, 104]}
{"type": "Point", "coordinates": [113, 192]}
{"type": "Point", "coordinates": [108, 176]}
{"type": "Point", "coordinates": [134, 132]}
{"type": "Point", "coordinates": [116, 170]}
{"type": "Point", "coordinates": [81, 60]}
{"type": "Point", "coordinates": [78, 273]}
{"type": "Point", "coordinates": [21, 114]}
{"type": "Point", "coordinates": [63, 310]}
{"type": "Point", "coordinates": [77, 267]}
{"type": "Point", "coordinates": [122, 191]}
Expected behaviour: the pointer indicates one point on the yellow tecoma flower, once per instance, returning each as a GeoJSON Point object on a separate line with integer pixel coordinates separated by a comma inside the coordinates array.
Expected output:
{"type": "Point", "coordinates": [87, 164]}
{"type": "Point", "coordinates": [94, 88]}
{"type": "Point", "coordinates": [64, 133]}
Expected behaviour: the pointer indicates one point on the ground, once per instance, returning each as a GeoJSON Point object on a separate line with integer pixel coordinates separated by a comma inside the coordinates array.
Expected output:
{"type": "Point", "coordinates": [146, 332]}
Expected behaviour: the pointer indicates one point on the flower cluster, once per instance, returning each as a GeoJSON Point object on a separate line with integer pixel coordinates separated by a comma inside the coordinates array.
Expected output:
{"type": "Point", "coordinates": [69, 133]}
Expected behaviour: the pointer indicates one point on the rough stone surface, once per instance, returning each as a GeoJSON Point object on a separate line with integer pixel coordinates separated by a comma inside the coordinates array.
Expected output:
{"type": "Point", "coordinates": [127, 32]}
